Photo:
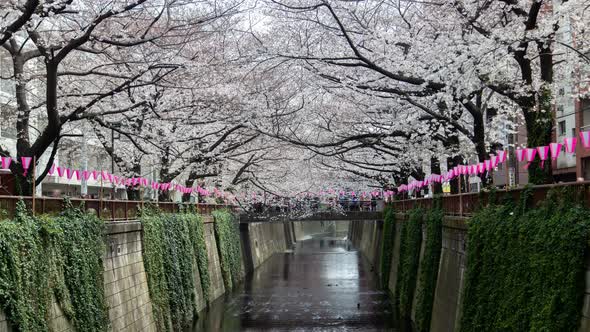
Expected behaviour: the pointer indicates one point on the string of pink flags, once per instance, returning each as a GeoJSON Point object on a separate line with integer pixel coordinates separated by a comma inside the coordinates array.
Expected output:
{"type": "Point", "coordinates": [543, 153]}
{"type": "Point", "coordinates": [137, 182]}
{"type": "Point", "coordinates": [78, 175]}
{"type": "Point", "coordinates": [553, 151]}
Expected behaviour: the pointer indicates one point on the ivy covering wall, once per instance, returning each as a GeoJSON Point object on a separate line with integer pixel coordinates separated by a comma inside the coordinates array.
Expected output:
{"type": "Point", "coordinates": [387, 243]}
{"type": "Point", "coordinates": [409, 257]}
{"type": "Point", "coordinates": [197, 235]}
{"type": "Point", "coordinates": [43, 259]}
{"type": "Point", "coordinates": [228, 243]}
{"type": "Point", "coordinates": [173, 245]}
{"type": "Point", "coordinates": [525, 266]}
{"type": "Point", "coordinates": [429, 269]}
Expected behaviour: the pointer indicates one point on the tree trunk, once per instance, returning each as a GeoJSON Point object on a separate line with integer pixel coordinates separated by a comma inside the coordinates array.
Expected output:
{"type": "Point", "coordinates": [188, 183]}
{"type": "Point", "coordinates": [133, 194]}
{"type": "Point", "coordinates": [539, 124]}
{"type": "Point", "coordinates": [24, 184]}
{"type": "Point", "coordinates": [454, 183]}
{"type": "Point", "coordinates": [435, 169]}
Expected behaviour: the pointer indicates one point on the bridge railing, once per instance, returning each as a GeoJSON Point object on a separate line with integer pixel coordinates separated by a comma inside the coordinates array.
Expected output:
{"type": "Point", "coordinates": [467, 204]}
{"type": "Point", "coordinates": [113, 210]}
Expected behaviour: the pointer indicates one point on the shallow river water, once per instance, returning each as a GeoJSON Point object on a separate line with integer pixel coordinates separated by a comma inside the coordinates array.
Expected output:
{"type": "Point", "coordinates": [322, 285]}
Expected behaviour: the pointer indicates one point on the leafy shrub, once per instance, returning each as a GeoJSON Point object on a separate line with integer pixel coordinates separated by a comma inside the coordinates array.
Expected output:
{"type": "Point", "coordinates": [409, 257]}
{"type": "Point", "coordinates": [46, 258]}
{"type": "Point", "coordinates": [387, 243]}
{"type": "Point", "coordinates": [228, 242]}
{"type": "Point", "coordinates": [429, 269]}
{"type": "Point", "coordinates": [525, 266]}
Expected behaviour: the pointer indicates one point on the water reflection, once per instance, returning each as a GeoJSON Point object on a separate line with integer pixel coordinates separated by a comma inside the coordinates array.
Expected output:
{"type": "Point", "coordinates": [323, 285]}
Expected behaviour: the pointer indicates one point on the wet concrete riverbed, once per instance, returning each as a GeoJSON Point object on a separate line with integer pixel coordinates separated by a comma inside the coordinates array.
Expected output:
{"type": "Point", "coordinates": [323, 285]}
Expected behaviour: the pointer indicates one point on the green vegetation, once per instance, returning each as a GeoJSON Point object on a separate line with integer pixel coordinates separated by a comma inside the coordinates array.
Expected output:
{"type": "Point", "coordinates": [387, 243]}
{"type": "Point", "coordinates": [197, 236]}
{"type": "Point", "coordinates": [409, 257]}
{"type": "Point", "coordinates": [174, 249]}
{"type": "Point", "coordinates": [429, 269]}
{"type": "Point", "coordinates": [525, 267]}
{"type": "Point", "coordinates": [46, 259]}
{"type": "Point", "coordinates": [228, 242]}
{"type": "Point", "coordinates": [539, 125]}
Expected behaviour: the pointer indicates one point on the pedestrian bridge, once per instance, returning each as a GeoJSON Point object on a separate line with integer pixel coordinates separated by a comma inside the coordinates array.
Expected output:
{"type": "Point", "coordinates": [317, 216]}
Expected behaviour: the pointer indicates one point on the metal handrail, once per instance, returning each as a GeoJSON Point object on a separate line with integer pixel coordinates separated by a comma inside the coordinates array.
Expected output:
{"type": "Point", "coordinates": [465, 204]}
{"type": "Point", "coordinates": [107, 209]}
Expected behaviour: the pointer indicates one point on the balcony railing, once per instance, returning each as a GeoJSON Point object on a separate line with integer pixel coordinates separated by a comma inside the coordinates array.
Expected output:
{"type": "Point", "coordinates": [467, 204]}
{"type": "Point", "coordinates": [112, 210]}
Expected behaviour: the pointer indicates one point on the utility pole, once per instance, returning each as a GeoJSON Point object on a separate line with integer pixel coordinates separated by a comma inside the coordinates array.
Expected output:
{"type": "Point", "coordinates": [112, 161]}
{"type": "Point", "coordinates": [84, 188]}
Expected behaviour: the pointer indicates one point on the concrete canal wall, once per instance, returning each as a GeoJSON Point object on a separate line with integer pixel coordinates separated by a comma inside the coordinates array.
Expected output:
{"type": "Point", "coordinates": [446, 310]}
{"type": "Point", "coordinates": [125, 279]}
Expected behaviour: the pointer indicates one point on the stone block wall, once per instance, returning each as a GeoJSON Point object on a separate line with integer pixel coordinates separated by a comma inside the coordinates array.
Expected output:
{"type": "Point", "coordinates": [266, 239]}
{"type": "Point", "coordinates": [125, 283]}
{"type": "Point", "coordinates": [303, 229]}
{"type": "Point", "coordinates": [446, 309]}
{"type": "Point", "coordinates": [125, 279]}
{"type": "Point", "coordinates": [217, 288]}
{"type": "Point", "coordinates": [365, 237]}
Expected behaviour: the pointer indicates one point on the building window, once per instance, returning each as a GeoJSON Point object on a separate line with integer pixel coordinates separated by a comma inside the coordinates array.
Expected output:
{"type": "Point", "coordinates": [561, 128]}
{"type": "Point", "coordinates": [560, 110]}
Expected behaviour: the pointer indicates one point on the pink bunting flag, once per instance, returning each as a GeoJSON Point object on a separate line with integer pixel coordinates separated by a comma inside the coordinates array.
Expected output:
{"type": "Point", "coordinates": [61, 171]}
{"type": "Point", "coordinates": [480, 168]}
{"type": "Point", "coordinates": [26, 163]}
{"type": "Point", "coordinates": [555, 150]}
{"type": "Point", "coordinates": [487, 164]}
{"type": "Point", "coordinates": [463, 169]}
{"type": "Point", "coordinates": [570, 144]}
{"type": "Point", "coordinates": [520, 154]}
{"type": "Point", "coordinates": [69, 173]}
{"type": "Point", "coordinates": [585, 138]}
{"type": "Point", "coordinates": [495, 160]}
{"type": "Point", "coordinates": [154, 185]}
{"type": "Point", "coordinates": [77, 174]}
{"type": "Point", "coordinates": [86, 175]}
{"type": "Point", "coordinates": [6, 161]}
{"type": "Point", "coordinates": [530, 154]}
{"type": "Point", "coordinates": [105, 176]}
{"type": "Point", "coordinates": [51, 170]}
{"type": "Point", "coordinates": [543, 154]}
{"type": "Point", "coordinates": [501, 155]}
{"type": "Point", "coordinates": [95, 175]}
